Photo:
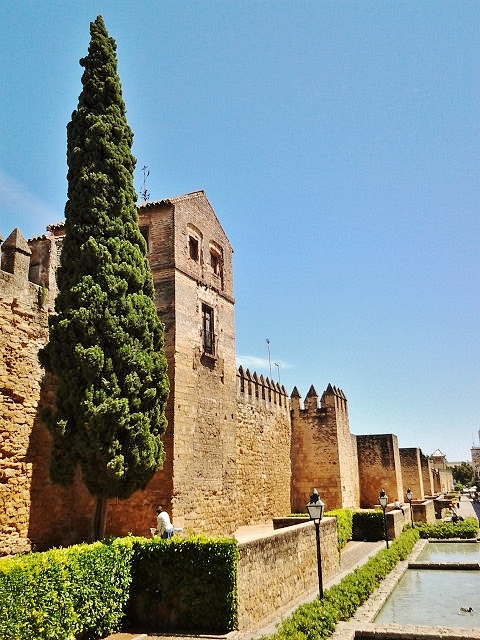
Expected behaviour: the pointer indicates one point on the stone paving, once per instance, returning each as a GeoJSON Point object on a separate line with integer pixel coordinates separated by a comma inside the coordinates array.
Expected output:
{"type": "Point", "coordinates": [359, 627]}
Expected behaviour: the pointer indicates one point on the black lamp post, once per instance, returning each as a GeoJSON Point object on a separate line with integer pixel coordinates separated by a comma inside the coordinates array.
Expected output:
{"type": "Point", "coordinates": [315, 510]}
{"type": "Point", "coordinates": [409, 498]}
{"type": "Point", "coordinates": [383, 500]}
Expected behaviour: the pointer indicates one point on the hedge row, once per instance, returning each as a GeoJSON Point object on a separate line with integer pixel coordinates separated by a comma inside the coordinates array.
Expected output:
{"type": "Point", "coordinates": [187, 583]}
{"type": "Point", "coordinates": [464, 529]}
{"type": "Point", "coordinates": [318, 619]}
{"type": "Point", "coordinates": [89, 591]}
{"type": "Point", "coordinates": [344, 525]}
{"type": "Point", "coordinates": [65, 594]}
{"type": "Point", "coordinates": [368, 525]}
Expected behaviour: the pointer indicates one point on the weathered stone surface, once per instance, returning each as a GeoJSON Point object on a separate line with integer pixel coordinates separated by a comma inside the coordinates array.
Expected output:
{"type": "Point", "coordinates": [274, 570]}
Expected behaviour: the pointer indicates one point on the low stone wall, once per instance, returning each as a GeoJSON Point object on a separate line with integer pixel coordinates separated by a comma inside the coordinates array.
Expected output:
{"type": "Point", "coordinates": [424, 511]}
{"type": "Point", "coordinates": [275, 570]}
{"type": "Point", "coordinates": [396, 521]}
{"type": "Point", "coordinates": [442, 502]}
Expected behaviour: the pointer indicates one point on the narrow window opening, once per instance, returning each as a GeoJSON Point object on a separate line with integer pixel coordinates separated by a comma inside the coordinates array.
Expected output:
{"type": "Point", "coordinates": [208, 337]}
{"type": "Point", "coordinates": [215, 263]}
{"type": "Point", "coordinates": [193, 248]}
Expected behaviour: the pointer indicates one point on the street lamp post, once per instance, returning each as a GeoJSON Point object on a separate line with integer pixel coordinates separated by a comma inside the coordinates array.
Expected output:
{"type": "Point", "coordinates": [383, 500]}
{"type": "Point", "coordinates": [315, 510]}
{"type": "Point", "coordinates": [409, 498]}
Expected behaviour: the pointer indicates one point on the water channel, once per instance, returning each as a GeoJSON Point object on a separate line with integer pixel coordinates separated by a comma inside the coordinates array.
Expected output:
{"type": "Point", "coordinates": [436, 597]}
{"type": "Point", "coordinates": [450, 552]}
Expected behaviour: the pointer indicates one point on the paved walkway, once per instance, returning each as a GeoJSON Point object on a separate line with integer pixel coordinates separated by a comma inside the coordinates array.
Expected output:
{"type": "Point", "coordinates": [353, 555]}
{"type": "Point", "coordinates": [468, 508]}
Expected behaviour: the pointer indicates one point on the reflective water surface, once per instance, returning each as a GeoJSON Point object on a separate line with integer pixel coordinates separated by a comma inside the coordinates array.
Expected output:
{"type": "Point", "coordinates": [450, 552]}
{"type": "Point", "coordinates": [434, 597]}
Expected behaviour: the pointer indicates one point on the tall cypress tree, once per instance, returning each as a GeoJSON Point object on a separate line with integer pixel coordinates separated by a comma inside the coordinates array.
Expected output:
{"type": "Point", "coordinates": [106, 341]}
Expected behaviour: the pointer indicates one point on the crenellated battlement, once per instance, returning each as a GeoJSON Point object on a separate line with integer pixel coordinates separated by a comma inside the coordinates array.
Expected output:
{"type": "Point", "coordinates": [258, 388]}
{"type": "Point", "coordinates": [263, 435]}
{"type": "Point", "coordinates": [27, 268]}
{"type": "Point", "coordinates": [323, 425]}
{"type": "Point", "coordinates": [332, 397]}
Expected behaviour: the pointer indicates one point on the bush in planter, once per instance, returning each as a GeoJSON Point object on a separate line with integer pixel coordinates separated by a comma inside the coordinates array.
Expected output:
{"type": "Point", "coordinates": [185, 584]}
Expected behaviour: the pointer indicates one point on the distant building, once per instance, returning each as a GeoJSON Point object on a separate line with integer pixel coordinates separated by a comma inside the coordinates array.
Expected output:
{"type": "Point", "coordinates": [442, 475]}
{"type": "Point", "coordinates": [476, 459]}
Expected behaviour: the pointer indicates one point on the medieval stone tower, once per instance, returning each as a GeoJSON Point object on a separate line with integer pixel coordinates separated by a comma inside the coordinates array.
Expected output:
{"type": "Point", "coordinates": [379, 468]}
{"type": "Point", "coordinates": [191, 263]}
{"type": "Point", "coordinates": [323, 451]}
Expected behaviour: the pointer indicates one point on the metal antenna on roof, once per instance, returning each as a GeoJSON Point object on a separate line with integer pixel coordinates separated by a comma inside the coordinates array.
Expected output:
{"type": "Point", "coordinates": [278, 370]}
{"type": "Point", "coordinates": [144, 193]}
{"type": "Point", "coordinates": [269, 361]}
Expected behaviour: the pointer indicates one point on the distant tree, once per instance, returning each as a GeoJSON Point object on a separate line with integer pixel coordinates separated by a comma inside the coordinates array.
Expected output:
{"type": "Point", "coordinates": [463, 473]}
{"type": "Point", "coordinates": [106, 341]}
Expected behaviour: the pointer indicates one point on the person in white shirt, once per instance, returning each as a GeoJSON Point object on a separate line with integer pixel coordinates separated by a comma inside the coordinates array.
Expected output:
{"type": "Point", "coordinates": [399, 506]}
{"type": "Point", "coordinates": [164, 526]}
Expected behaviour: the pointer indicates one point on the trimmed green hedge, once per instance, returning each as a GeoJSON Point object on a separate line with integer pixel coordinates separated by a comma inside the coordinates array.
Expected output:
{"type": "Point", "coordinates": [318, 619]}
{"type": "Point", "coordinates": [89, 591]}
{"type": "Point", "coordinates": [368, 525]}
{"type": "Point", "coordinates": [65, 594]}
{"type": "Point", "coordinates": [464, 529]}
{"type": "Point", "coordinates": [185, 584]}
{"type": "Point", "coordinates": [344, 525]}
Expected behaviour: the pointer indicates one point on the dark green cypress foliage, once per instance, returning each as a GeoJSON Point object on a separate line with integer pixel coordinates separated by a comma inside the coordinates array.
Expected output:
{"type": "Point", "coordinates": [106, 341]}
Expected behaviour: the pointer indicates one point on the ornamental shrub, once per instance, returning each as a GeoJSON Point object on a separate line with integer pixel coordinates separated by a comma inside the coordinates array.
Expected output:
{"type": "Point", "coordinates": [65, 594]}
{"type": "Point", "coordinates": [463, 529]}
{"type": "Point", "coordinates": [344, 525]}
{"type": "Point", "coordinates": [368, 525]}
{"type": "Point", "coordinates": [84, 592]}
{"type": "Point", "coordinates": [106, 342]}
{"type": "Point", "coordinates": [185, 583]}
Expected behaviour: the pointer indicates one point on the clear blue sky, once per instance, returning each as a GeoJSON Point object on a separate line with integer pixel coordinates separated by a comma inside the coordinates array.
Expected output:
{"type": "Point", "coordinates": [339, 144]}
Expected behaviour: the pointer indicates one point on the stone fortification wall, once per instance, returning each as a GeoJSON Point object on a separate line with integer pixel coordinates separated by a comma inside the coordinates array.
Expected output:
{"type": "Point", "coordinates": [275, 570]}
{"type": "Point", "coordinates": [323, 434]}
{"type": "Point", "coordinates": [379, 468]}
{"type": "Point", "coordinates": [34, 513]}
{"type": "Point", "coordinates": [335, 403]}
{"type": "Point", "coordinates": [427, 476]}
{"type": "Point", "coordinates": [263, 448]}
{"type": "Point", "coordinates": [232, 436]}
{"type": "Point", "coordinates": [23, 331]}
{"type": "Point", "coordinates": [412, 476]}
{"type": "Point", "coordinates": [442, 474]}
